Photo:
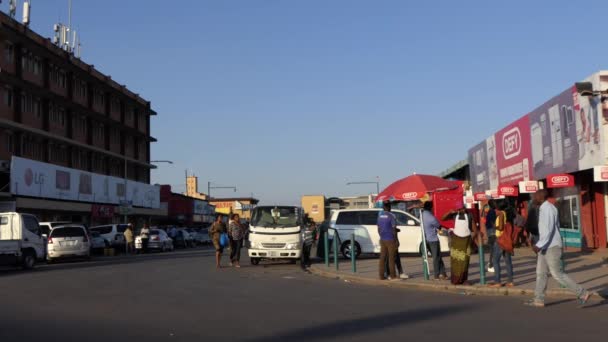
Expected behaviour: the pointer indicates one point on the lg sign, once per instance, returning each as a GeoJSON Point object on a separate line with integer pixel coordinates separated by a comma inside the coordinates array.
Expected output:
{"type": "Point", "coordinates": [511, 143]}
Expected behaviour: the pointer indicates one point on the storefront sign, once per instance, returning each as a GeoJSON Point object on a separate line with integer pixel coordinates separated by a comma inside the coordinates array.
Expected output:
{"type": "Point", "coordinates": [36, 179]}
{"type": "Point", "coordinates": [528, 187]}
{"type": "Point", "coordinates": [102, 211]}
{"type": "Point", "coordinates": [600, 173]}
{"type": "Point", "coordinates": [509, 191]}
{"type": "Point", "coordinates": [560, 181]}
{"type": "Point", "coordinates": [513, 152]}
{"type": "Point", "coordinates": [480, 196]}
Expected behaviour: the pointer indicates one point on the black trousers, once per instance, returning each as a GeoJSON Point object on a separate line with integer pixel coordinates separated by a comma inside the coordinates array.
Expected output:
{"type": "Point", "coordinates": [491, 243]}
{"type": "Point", "coordinates": [144, 245]}
{"type": "Point", "coordinates": [235, 250]}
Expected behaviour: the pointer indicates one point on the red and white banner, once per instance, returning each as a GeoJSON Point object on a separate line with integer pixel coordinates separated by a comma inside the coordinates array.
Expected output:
{"type": "Point", "coordinates": [506, 190]}
{"type": "Point", "coordinates": [560, 181]}
{"type": "Point", "coordinates": [600, 173]}
{"type": "Point", "coordinates": [480, 196]}
{"type": "Point", "coordinates": [528, 187]}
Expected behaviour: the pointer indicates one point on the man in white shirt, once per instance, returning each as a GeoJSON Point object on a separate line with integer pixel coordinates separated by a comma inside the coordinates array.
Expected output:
{"type": "Point", "coordinates": [549, 251]}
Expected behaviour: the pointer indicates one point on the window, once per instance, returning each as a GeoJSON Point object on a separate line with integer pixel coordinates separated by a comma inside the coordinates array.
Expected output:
{"type": "Point", "coordinates": [27, 103]}
{"type": "Point", "coordinates": [103, 229]}
{"type": "Point", "coordinates": [57, 115]}
{"type": "Point", "coordinates": [31, 223]}
{"type": "Point", "coordinates": [402, 219]}
{"type": "Point", "coordinates": [129, 114]}
{"type": "Point", "coordinates": [99, 99]}
{"type": "Point", "coordinates": [9, 52]}
{"type": "Point", "coordinates": [99, 132]}
{"type": "Point", "coordinates": [10, 142]}
{"type": "Point", "coordinates": [348, 217]}
{"type": "Point", "coordinates": [8, 96]}
{"type": "Point", "coordinates": [369, 218]}
{"type": "Point", "coordinates": [37, 108]}
{"type": "Point", "coordinates": [67, 232]}
{"type": "Point", "coordinates": [80, 88]}
{"type": "Point", "coordinates": [115, 105]}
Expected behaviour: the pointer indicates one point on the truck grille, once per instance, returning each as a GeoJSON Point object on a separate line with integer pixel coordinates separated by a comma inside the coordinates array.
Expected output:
{"type": "Point", "coordinates": [273, 245]}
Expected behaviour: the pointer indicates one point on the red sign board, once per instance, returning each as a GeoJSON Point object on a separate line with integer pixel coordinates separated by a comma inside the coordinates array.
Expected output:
{"type": "Point", "coordinates": [560, 181]}
{"type": "Point", "coordinates": [102, 211]}
{"type": "Point", "coordinates": [514, 153]}
{"type": "Point", "coordinates": [480, 196]}
{"type": "Point", "coordinates": [508, 191]}
{"type": "Point", "coordinates": [528, 187]}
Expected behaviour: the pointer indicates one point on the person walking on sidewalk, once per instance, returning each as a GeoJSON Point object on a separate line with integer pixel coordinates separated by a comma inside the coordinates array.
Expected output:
{"type": "Point", "coordinates": [217, 229]}
{"type": "Point", "coordinates": [503, 227]}
{"type": "Point", "coordinates": [145, 237]}
{"type": "Point", "coordinates": [531, 226]}
{"type": "Point", "coordinates": [491, 233]}
{"type": "Point", "coordinates": [549, 254]}
{"type": "Point", "coordinates": [236, 232]}
{"type": "Point", "coordinates": [464, 232]}
{"type": "Point", "coordinates": [431, 227]}
{"type": "Point", "coordinates": [129, 240]}
{"type": "Point", "coordinates": [387, 223]}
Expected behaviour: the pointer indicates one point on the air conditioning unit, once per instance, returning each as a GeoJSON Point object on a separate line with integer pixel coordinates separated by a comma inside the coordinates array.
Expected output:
{"type": "Point", "coordinates": [5, 166]}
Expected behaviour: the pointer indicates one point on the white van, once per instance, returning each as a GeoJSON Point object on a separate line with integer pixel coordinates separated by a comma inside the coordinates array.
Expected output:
{"type": "Point", "coordinates": [279, 232]}
{"type": "Point", "coordinates": [113, 233]}
{"type": "Point", "coordinates": [21, 242]}
{"type": "Point", "coordinates": [363, 222]}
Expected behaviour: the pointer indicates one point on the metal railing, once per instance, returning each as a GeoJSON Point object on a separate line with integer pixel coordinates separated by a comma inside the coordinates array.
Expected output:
{"type": "Point", "coordinates": [336, 243]}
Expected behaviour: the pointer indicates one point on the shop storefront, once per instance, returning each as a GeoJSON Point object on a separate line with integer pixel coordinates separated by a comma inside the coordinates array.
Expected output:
{"type": "Point", "coordinates": [558, 145]}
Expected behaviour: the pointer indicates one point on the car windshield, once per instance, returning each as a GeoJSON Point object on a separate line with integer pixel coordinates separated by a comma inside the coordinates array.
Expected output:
{"type": "Point", "coordinates": [95, 234]}
{"type": "Point", "coordinates": [154, 232]}
{"type": "Point", "coordinates": [275, 217]}
{"type": "Point", "coordinates": [67, 232]}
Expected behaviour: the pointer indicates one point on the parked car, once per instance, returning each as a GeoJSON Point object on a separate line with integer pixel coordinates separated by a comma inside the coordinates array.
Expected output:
{"type": "Point", "coordinates": [46, 227]}
{"type": "Point", "coordinates": [159, 241]}
{"type": "Point", "coordinates": [113, 233]}
{"type": "Point", "coordinates": [183, 239]}
{"type": "Point", "coordinates": [68, 241]}
{"type": "Point", "coordinates": [363, 222]}
{"type": "Point", "coordinates": [98, 243]}
{"type": "Point", "coordinates": [201, 237]}
{"type": "Point", "coordinates": [21, 243]}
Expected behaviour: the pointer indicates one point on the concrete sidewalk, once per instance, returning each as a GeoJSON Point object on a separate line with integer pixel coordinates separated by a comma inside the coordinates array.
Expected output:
{"type": "Point", "coordinates": [591, 271]}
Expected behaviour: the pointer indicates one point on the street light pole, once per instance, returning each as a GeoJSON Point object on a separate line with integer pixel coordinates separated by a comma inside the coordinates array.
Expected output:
{"type": "Point", "coordinates": [209, 187]}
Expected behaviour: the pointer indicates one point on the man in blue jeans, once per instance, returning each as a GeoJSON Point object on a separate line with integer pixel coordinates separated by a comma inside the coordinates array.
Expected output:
{"type": "Point", "coordinates": [431, 226]}
{"type": "Point", "coordinates": [549, 251]}
{"type": "Point", "coordinates": [491, 232]}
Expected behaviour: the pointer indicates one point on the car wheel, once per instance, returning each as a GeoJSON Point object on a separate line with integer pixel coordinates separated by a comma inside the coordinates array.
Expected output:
{"type": "Point", "coordinates": [255, 261]}
{"type": "Point", "coordinates": [346, 249]}
{"type": "Point", "coordinates": [29, 260]}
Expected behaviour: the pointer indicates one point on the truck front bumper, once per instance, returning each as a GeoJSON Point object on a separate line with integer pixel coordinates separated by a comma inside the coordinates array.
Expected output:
{"type": "Point", "coordinates": [275, 253]}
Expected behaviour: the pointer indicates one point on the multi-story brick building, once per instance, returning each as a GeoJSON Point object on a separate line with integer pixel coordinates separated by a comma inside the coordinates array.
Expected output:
{"type": "Point", "coordinates": [56, 109]}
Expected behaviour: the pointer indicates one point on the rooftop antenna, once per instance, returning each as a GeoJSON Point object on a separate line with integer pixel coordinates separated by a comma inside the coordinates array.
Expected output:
{"type": "Point", "coordinates": [12, 8]}
{"type": "Point", "coordinates": [27, 9]}
{"type": "Point", "coordinates": [65, 37]}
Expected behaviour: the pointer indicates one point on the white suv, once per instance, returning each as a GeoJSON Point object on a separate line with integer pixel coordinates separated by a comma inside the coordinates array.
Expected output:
{"type": "Point", "coordinates": [113, 233]}
{"type": "Point", "coordinates": [363, 222]}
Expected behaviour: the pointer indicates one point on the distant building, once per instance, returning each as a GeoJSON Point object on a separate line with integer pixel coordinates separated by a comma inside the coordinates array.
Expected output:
{"type": "Point", "coordinates": [234, 205]}
{"type": "Point", "coordinates": [70, 136]}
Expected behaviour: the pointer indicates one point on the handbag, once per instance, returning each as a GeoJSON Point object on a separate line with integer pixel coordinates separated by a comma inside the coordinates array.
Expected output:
{"type": "Point", "coordinates": [505, 241]}
{"type": "Point", "coordinates": [224, 240]}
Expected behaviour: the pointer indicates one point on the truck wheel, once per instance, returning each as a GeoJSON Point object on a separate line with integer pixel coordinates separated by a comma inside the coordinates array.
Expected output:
{"type": "Point", "coordinates": [29, 260]}
{"type": "Point", "coordinates": [345, 249]}
{"type": "Point", "coordinates": [255, 261]}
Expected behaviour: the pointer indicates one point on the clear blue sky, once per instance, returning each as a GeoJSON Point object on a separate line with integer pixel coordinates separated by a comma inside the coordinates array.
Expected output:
{"type": "Point", "coordinates": [284, 98]}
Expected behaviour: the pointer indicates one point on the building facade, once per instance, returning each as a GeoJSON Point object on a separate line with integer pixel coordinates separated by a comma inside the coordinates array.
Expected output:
{"type": "Point", "coordinates": [184, 210]}
{"type": "Point", "coordinates": [562, 145]}
{"type": "Point", "coordinates": [59, 111]}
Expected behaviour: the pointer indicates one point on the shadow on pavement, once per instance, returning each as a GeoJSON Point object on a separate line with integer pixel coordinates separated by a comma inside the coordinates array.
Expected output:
{"type": "Point", "coordinates": [107, 261]}
{"type": "Point", "coordinates": [354, 327]}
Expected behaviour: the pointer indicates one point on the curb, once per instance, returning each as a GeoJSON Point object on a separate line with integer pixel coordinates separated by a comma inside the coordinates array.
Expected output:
{"type": "Point", "coordinates": [449, 288]}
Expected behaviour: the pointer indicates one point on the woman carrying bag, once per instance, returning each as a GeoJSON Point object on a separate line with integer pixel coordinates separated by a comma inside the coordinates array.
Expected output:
{"type": "Point", "coordinates": [236, 232]}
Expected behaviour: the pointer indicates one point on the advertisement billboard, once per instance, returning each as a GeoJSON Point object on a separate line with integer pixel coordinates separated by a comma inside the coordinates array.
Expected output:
{"type": "Point", "coordinates": [36, 179]}
{"type": "Point", "coordinates": [478, 165]}
{"type": "Point", "coordinates": [513, 153]}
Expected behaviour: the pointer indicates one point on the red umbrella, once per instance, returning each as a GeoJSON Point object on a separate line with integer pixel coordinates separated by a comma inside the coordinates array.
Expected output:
{"type": "Point", "coordinates": [415, 187]}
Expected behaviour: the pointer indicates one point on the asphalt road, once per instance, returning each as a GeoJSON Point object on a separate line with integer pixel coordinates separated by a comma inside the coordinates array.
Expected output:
{"type": "Point", "coordinates": [182, 297]}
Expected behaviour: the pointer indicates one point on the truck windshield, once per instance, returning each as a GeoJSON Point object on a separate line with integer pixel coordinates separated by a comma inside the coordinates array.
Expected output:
{"type": "Point", "coordinates": [275, 217]}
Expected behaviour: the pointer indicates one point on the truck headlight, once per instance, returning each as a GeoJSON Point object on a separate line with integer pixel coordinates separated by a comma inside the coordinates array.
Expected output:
{"type": "Point", "coordinates": [294, 245]}
{"type": "Point", "coordinates": [254, 245]}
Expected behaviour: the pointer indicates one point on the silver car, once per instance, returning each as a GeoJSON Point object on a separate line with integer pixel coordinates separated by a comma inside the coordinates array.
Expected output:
{"type": "Point", "coordinates": [68, 241]}
{"type": "Point", "coordinates": [159, 240]}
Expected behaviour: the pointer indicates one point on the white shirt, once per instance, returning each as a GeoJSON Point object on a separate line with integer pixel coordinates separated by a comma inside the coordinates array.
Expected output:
{"type": "Point", "coordinates": [461, 227]}
{"type": "Point", "coordinates": [548, 227]}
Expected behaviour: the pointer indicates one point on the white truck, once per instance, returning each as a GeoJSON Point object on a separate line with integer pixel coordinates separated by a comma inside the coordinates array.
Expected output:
{"type": "Point", "coordinates": [279, 232]}
{"type": "Point", "coordinates": [21, 243]}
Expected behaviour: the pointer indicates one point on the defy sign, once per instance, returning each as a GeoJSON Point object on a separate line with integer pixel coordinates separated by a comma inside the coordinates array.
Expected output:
{"type": "Point", "coordinates": [509, 191]}
{"type": "Point", "coordinates": [560, 181]}
{"type": "Point", "coordinates": [514, 153]}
